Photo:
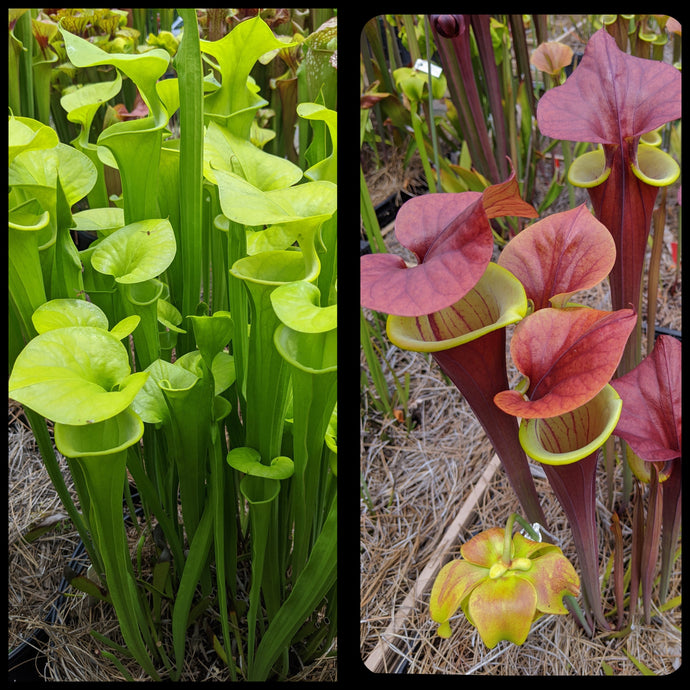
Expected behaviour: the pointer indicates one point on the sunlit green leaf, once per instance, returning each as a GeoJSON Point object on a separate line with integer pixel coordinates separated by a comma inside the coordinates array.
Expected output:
{"type": "Point", "coordinates": [26, 134]}
{"type": "Point", "coordinates": [36, 170]}
{"type": "Point", "coordinates": [75, 375]}
{"type": "Point", "coordinates": [244, 203]}
{"type": "Point", "coordinates": [248, 460]}
{"type": "Point", "coordinates": [297, 306]}
{"type": "Point", "coordinates": [60, 313]}
{"type": "Point", "coordinates": [100, 438]}
{"type": "Point", "coordinates": [327, 168]}
{"type": "Point", "coordinates": [235, 103]}
{"type": "Point", "coordinates": [136, 252]}
{"type": "Point", "coordinates": [224, 150]}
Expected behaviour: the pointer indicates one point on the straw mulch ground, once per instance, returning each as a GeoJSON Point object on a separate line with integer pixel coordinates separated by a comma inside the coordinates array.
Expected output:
{"type": "Point", "coordinates": [36, 570]}
{"type": "Point", "coordinates": [415, 482]}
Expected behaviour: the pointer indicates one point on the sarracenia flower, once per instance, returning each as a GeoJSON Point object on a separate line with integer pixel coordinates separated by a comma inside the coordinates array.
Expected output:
{"type": "Point", "coordinates": [503, 585]}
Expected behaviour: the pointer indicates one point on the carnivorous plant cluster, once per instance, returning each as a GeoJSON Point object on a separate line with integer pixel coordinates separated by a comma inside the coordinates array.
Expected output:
{"type": "Point", "coordinates": [191, 348]}
{"type": "Point", "coordinates": [456, 302]}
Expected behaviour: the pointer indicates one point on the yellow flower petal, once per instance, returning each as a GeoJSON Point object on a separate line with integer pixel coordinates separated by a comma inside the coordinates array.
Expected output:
{"type": "Point", "coordinates": [453, 584]}
{"type": "Point", "coordinates": [503, 609]}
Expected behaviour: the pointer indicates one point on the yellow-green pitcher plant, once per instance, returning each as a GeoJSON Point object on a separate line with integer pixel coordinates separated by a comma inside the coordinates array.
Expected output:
{"type": "Point", "coordinates": [150, 320]}
{"type": "Point", "coordinates": [79, 376]}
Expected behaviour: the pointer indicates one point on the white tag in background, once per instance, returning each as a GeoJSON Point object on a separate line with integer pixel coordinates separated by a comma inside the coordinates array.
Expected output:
{"type": "Point", "coordinates": [423, 66]}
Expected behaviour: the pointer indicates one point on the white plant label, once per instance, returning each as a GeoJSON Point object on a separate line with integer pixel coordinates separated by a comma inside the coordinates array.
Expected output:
{"type": "Point", "coordinates": [423, 66]}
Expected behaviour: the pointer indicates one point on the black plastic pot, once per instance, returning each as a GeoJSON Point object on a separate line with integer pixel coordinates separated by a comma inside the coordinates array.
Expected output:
{"type": "Point", "coordinates": [389, 207]}
{"type": "Point", "coordinates": [662, 330]}
{"type": "Point", "coordinates": [84, 238]}
{"type": "Point", "coordinates": [573, 63]}
{"type": "Point", "coordinates": [26, 662]}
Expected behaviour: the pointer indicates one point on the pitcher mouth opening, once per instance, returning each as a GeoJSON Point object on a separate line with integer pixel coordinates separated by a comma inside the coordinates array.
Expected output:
{"type": "Point", "coordinates": [572, 436]}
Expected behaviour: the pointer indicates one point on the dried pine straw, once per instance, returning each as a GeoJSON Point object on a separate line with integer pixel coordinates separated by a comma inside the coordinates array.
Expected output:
{"type": "Point", "coordinates": [394, 175]}
{"type": "Point", "coordinates": [34, 569]}
{"type": "Point", "coordinates": [413, 485]}
{"type": "Point", "coordinates": [34, 575]}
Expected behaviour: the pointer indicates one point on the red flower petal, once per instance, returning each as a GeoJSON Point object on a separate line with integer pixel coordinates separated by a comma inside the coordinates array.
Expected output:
{"type": "Point", "coordinates": [452, 239]}
{"type": "Point", "coordinates": [557, 256]}
{"type": "Point", "coordinates": [504, 199]}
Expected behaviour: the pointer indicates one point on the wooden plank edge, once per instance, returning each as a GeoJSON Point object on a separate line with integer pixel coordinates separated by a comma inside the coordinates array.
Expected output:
{"type": "Point", "coordinates": [378, 659]}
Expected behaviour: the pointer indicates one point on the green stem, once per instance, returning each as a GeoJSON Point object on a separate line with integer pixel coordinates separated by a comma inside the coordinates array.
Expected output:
{"type": "Point", "coordinates": [369, 219]}
{"type": "Point", "coordinates": [421, 146]}
{"type": "Point", "coordinates": [42, 72]}
{"type": "Point", "coordinates": [260, 492]}
{"type": "Point", "coordinates": [374, 364]}
{"type": "Point", "coordinates": [189, 68]}
{"type": "Point", "coordinates": [267, 376]}
{"type": "Point", "coordinates": [105, 478]}
{"type": "Point", "coordinates": [217, 496]}
{"type": "Point", "coordinates": [314, 583]}
{"type": "Point", "coordinates": [196, 560]}
{"type": "Point", "coordinates": [141, 299]}
{"type": "Point", "coordinates": [25, 278]}
{"type": "Point", "coordinates": [432, 123]}
{"type": "Point", "coordinates": [567, 161]}
{"type": "Point", "coordinates": [45, 446]}
{"type": "Point", "coordinates": [188, 439]}
{"type": "Point", "coordinates": [23, 32]}
{"type": "Point", "coordinates": [533, 535]}
{"type": "Point", "coordinates": [150, 498]}
{"type": "Point", "coordinates": [138, 155]}
{"type": "Point", "coordinates": [239, 308]}
{"type": "Point", "coordinates": [571, 602]}
{"type": "Point", "coordinates": [314, 398]}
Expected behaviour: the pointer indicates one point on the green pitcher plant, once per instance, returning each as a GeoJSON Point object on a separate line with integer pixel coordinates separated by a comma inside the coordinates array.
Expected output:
{"type": "Point", "coordinates": [88, 366]}
{"type": "Point", "coordinates": [190, 349]}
